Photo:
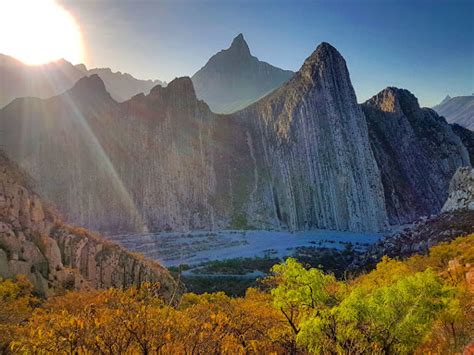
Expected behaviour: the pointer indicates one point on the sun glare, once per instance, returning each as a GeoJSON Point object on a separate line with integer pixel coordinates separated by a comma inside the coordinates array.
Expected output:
{"type": "Point", "coordinates": [39, 31]}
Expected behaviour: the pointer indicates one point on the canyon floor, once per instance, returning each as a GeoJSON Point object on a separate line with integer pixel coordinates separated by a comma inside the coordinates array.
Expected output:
{"type": "Point", "coordinates": [197, 247]}
{"type": "Point", "coordinates": [233, 260]}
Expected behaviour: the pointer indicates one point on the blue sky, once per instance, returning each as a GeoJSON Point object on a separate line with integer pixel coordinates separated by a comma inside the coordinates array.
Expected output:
{"type": "Point", "coordinates": [426, 46]}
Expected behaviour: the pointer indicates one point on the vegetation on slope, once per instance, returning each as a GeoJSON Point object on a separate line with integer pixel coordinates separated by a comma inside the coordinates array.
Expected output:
{"type": "Point", "coordinates": [423, 304]}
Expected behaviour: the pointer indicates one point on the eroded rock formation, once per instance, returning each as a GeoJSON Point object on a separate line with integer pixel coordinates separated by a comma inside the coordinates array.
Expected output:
{"type": "Point", "coordinates": [461, 191]}
{"type": "Point", "coordinates": [416, 151]}
{"type": "Point", "coordinates": [55, 256]}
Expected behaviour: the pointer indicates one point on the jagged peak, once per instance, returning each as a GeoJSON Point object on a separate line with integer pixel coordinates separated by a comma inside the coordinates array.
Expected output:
{"type": "Point", "coordinates": [393, 99]}
{"type": "Point", "coordinates": [324, 54]}
{"type": "Point", "coordinates": [92, 84]}
{"type": "Point", "coordinates": [240, 45]}
{"type": "Point", "coordinates": [82, 67]}
{"type": "Point", "coordinates": [182, 87]}
{"type": "Point", "coordinates": [446, 99]}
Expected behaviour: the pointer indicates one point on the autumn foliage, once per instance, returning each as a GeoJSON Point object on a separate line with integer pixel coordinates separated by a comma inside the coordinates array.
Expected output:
{"type": "Point", "coordinates": [423, 304]}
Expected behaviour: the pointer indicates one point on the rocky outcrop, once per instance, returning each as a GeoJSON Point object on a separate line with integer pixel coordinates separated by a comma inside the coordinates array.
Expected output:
{"type": "Point", "coordinates": [418, 238]}
{"type": "Point", "coordinates": [459, 109]}
{"type": "Point", "coordinates": [298, 159]}
{"type": "Point", "coordinates": [43, 81]}
{"type": "Point", "coordinates": [461, 191]}
{"type": "Point", "coordinates": [416, 151]}
{"type": "Point", "coordinates": [57, 257]}
{"type": "Point", "coordinates": [233, 78]}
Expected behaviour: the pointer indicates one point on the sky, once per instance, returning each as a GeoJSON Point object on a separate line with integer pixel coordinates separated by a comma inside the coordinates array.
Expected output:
{"type": "Point", "coordinates": [425, 46]}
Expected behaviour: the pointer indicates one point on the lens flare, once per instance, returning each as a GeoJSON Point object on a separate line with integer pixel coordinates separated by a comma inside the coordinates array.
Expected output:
{"type": "Point", "coordinates": [39, 31]}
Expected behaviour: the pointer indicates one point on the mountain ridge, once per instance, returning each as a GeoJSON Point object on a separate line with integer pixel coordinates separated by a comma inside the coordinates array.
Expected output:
{"type": "Point", "coordinates": [53, 78]}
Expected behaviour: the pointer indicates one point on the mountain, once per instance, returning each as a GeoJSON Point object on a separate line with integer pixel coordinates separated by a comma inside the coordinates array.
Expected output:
{"type": "Point", "coordinates": [312, 139]}
{"type": "Point", "coordinates": [459, 109]}
{"type": "Point", "coordinates": [44, 81]}
{"type": "Point", "coordinates": [233, 78]}
{"type": "Point", "coordinates": [55, 256]}
{"type": "Point", "coordinates": [416, 151]}
{"type": "Point", "coordinates": [305, 156]}
{"type": "Point", "coordinates": [299, 158]}
{"type": "Point", "coordinates": [122, 86]}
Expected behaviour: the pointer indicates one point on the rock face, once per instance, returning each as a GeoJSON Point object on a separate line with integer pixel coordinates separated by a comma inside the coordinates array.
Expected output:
{"type": "Point", "coordinates": [233, 78]}
{"type": "Point", "coordinates": [54, 256]}
{"type": "Point", "coordinates": [459, 109]}
{"type": "Point", "coordinates": [461, 191]}
{"type": "Point", "coordinates": [312, 137]}
{"type": "Point", "coordinates": [43, 81]}
{"type": "Point", "coordinates": [416, 151]}
{"type": "Point", "coordinates": [299, 158]}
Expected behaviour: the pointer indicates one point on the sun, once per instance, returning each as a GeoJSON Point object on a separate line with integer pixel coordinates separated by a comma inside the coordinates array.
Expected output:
{"type": "Point", "coordinates": [39, 31]}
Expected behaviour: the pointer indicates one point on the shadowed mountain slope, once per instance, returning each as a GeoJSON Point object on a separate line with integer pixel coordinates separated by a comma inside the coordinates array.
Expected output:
{"type": "Point", "coordinates": [417, 153]}
{"type": "Point", "coordinates": [233, 78]}
{"type": "Point", "coordinates": [44, 81]}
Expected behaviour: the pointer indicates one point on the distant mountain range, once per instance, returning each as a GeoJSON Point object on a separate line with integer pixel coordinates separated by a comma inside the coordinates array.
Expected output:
{"type": "Point", "coordinates": [459, 109]}
{"type": "Point", "coordinates": [233, 79]}
{"type": "Point", "coordinates": [304, 156]}
{"type": "Point", "coordinates": [44, 81]}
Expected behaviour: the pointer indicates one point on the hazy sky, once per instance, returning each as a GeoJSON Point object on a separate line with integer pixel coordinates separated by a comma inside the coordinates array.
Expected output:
{"type": "Point", "coordinates": [426, 46]}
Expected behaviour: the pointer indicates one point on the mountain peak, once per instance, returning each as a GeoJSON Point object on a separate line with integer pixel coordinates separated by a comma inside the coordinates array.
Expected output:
{"type": "Point", "coordinates": [325, 55]}
{"type": "Point", "coordinates": [446, 99]}
{"type": "Point", "coordinates": [179, 87]}
{"type": "Point", "coordinates": [239, 45]}
{"type": "Point", "coordinates": [392, 99]}
{"type": "Point", "coordinates": [89, 85]}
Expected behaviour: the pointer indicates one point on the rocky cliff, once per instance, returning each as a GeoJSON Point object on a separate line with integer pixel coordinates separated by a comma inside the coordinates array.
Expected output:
{"type": "Point", "coordinates": [299, 158]}
{"type": "Point", "coordinates": [233, 78]}
{"type": "Point", "coordinates": [461, 191]}
{"type": "Point", "coordinates": [55, 256]}
{"type": "Point", "coordinates": [311, 137]}
{"type": "Point", "coordinates": [416, 151]}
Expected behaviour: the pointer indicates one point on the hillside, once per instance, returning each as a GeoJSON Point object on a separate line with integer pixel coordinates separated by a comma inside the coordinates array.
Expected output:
{"type": "Point", "coordinates": [56, 257]}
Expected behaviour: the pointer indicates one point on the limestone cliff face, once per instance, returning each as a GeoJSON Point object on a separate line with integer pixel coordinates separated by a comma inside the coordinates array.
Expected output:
{"type": "Point", "coordinates": [298, 159]}
{"type": "Point", "coordinates": [311, 137]}
{"type": "Point", "coordinates": [54, 256]}
{"type": "Point", "coordinates": [416, 151]}
{"type": "Point", "coordinates": [461, 191]}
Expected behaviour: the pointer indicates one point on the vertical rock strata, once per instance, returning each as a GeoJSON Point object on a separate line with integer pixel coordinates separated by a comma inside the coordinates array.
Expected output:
{"type": "Point", "coordinates": [312, 137]}
{"type": "Point", "coordinates": [417, 153]}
